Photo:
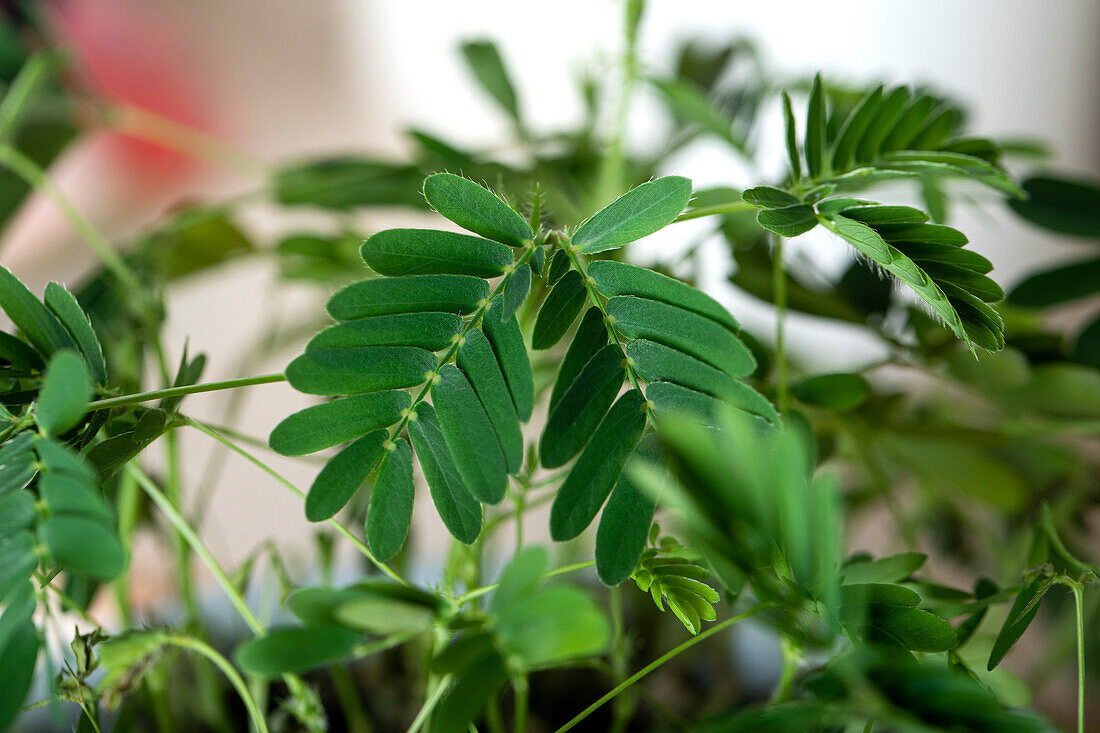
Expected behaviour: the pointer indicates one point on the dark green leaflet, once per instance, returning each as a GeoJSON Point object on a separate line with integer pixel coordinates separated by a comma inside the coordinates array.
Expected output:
{"type": "Point", "coordinates": [478, 362]}
{"type": "Point", "coordinates": [331, 423]}
{"type": "Point", "coordinates": [815, 130]}
{"type": "Point", "coordinates": [559, 265]}
{"type": "Point", "coordinates": [58, 459]}
{"type": "Point", "coordinates": [397, 252]}
{"type": "Point", "coordinates": [65, 393]}
{"type": "Point", "coordinates": [16, 463]}
{"type": "Point", "coordinates": [446, 293]}
{"type": "Point", "coordinates": [791, 138]}
{"type": "Point", "coordinates": [476, 209]}
{"type": "Point", "coordinates": [391, 502]}
{"type": "Point", "coordinates": [19, 355]}
{"type": "Point", "coordinates": [769, 197]}
{"type": "Point", "coordinates": [923, 252]}
{"type": "Point", "coordinates": [618, 278]}
{"type": "Point", "coordinates": [624, 526]}
{"type": "Point", "coordinates": [488, 68]}
{"type": "Point", "coordinates": [916, 629]}
{"type": "Point", "coordinates": [516, 289]}
{"type": "Point", "coordinates": [636, 214]}
{"type": "Point", "coordinates": [473, 687]}
{"type": "Point", "coordinates": [458, 509]}
{"type": "Point", "coordinates": [790, 221]}
{"type": "Point", "coordinates": [470, 436]}
{"type": "Point", "coordinates": [892, 569]}
{"type": "Point", "coordinates": [63, 305]}
{"type": "Point", "coordinates": [574, 419]}
{"type": "Point", "coordinates": [683, 330]}
{"type": "Point", "coordinates": [356, 369]}
{"type": "Point", "coordinates": [861, 594]}
{"type": "Point", "coordinates": [892, 107]}
{"type": "Point", "coordinates": [83, 545]}
{"type": "Point", "coordinates": [836, 391]}
{"type": "Point", "coordinates": [594, 475]}
{"type": "Point", "coordinates": [431, 331]}
{"type": "Point", "coordinates": [17, 560]}
{"type": "Point", "coordinates": [17, 512]}
{"type": "Point", "coordinates": [343, 475]}
{"type": "Point", "coordinates": [591, 336]}
{"type": "Point", "coordinates": [877, 215]}
{"type": "Point", "coordinates": [291, 650]}
{"type": "Point", "coordinates": [1060, 284]}
{"type": "Point", "coordinates": [670, 399]}
{"type": "Point", "coordinates": [559, 310]}
{"type": "Point", "coordinates": [507, 342]}
{"type": "Point", "coordinates": [909, 123]}
{"type": "Point", "coordinates": [937, 233]}
{"type": "Point", "coordinates": [1018, 619]}
{"type": "Point", "coordinates": [20, 655]}
{"type": "Point", "coordinates": [864, 238]}
{"type": "Point", "coordinates": [855, 127]}
{"type": "Point", "coordinates": [41, 327]}
{"type": "Point", "coordinates": [975, 283]}
{"type": "Point", "coordinates": [67, 495]}
{"type": "Point", "coordinates": [1062, 205]}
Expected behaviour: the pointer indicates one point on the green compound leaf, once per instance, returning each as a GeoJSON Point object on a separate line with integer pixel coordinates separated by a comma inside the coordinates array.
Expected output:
{"type": "Point", "coordinates": [582, 407]}
{"type": "Point", "coordinates": [507, 342]}
{"type": "Point", "coordinates": [389, 513]}
{"type": "Point", "coordinates": [683, 330]}
{"type": "Point", "coordinates": [478, 362]}
{"type": "Point", "coordinates": [836, 391]}
{"type": "Point", "coordinates": [618, 278]}
{"type": "Point", "coordinates": [332, 423]}
{"type": "Point", "coordinates": [343, 475]}
{"type": "Point", "coordinates": [624, 527]}
{"type": "Point", "coordinates": [559, 310]}
{"type": "Point", "coordinates": [445, 293]}
{"type": "Point", "coordinates": [591, 336]}
{"type": "Point", "coordinates": [470, 436]}
{"type": "Point", "coordinates": [431, 331]}
{"type": "Point", "coordinates": [83, 545]}
{"type": "Point", "coordinates": [63, 305]}
{"type": "Point", "coordinates": [672, 576]}
{"type": "Point", "coordinates": [41, 327]}
{"type": "Point", "coordinates": [594, 475]}
{"type": "Point", "coordinates": [636, 214]}
{"type": "Point", "coordinates": [459, 510]}
{"type": "Point", "coordinates": [65, 393]}
{"type": "Point", "coordinates": [399, 252]}
{"type": "Point", "coordinates": [357, 369]}
{"type": "Point", "coordinates": [516, 290]}
{"type": "Point", "coordinates": [292, 650]}
{"type": "Point", "coordinates": [476, 209]}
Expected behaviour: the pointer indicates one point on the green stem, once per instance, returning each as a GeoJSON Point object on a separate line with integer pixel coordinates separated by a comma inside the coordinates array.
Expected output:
{"type": "Point", "coordinates": [200, 647]}
{"type": "Point", "coordinates": [1078, 604]}
{"type": "Point", "coordinates": [486, 589]}
{"type": "Point", "coordinates": [779, 293]}
{"type": "Point", "coordinates": [658, 662]}
{"type": "Point", "coordinates": [612, 178]}
{"type": "Point", "coordinates": [429, 704]}
{"type": "Point", "coordinates": [201, 427]}
{"type": "Point", "coordinates": [30, 172]}
{"type": "Point", "coordinates": [519, 711]}
{"type": "Point", "coordinates": [623, 708]}
{"type": "Point", "coordinates": [156, 394]}
{"type": "Point", "coordinates": [21, 90]}
{"type": "Point", "coordinates": [715, 210]}
{"type": "Point", "coordinates": [786, 676]}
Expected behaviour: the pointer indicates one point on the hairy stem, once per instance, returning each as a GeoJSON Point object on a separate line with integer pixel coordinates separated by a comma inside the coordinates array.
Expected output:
{"type": "Point", "coordinates": [156, 394]}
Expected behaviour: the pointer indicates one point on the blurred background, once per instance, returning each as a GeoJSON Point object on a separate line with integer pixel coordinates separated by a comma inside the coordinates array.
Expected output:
{"type": "Point", "coordinates": [236, 88]}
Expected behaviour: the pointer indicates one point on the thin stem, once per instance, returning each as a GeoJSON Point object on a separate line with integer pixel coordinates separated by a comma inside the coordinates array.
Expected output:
{"type": "Point", "coordinates": [1078, 604]}
{"type": "Point", "coordinates": [519, 711]}
{"type": "Point", "coordinates": [623, 708]}
{"type": "Point", "coordinates": [156, 394]}
{"type": "Point", "coordinates": [176, 520]}
{"type": "Point", "coordinates": [611, 181]}
{"type": "Point", "coordinates": [486, 589]}
{"type": "Point", "coordinates": [779, 293]}
{"type": "Point", "coordinates": [429, 704]}
{"type": "Point", "coordinates": [30, 172]}
{"type": "Point", "coordinates": [200, 647]}
{"type": "Point", "coordinates": [298, 492]}
{"type": "Point", "coordinates": [717, 628]}
{"type": "Point", "coordinates": [715, 210]}
{"type": "Point", "coordinates": [21, 91]}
